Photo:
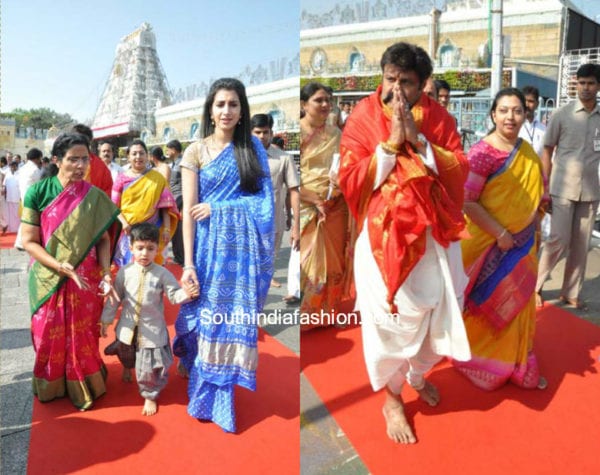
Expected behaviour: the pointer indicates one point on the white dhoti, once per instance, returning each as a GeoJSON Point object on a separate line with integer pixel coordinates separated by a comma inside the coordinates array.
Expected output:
{"type": "Point", "coordinates": [3, 221]}
{"type": "Point", "coordinates": [12, 216]}
{"type": "Point", "coordinates": [428, 324]}
{"type": "Point", "coordinates": [293, 277]}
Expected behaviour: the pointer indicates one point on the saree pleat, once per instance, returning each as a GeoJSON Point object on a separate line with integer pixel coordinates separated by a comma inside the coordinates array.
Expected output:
{"type": "Point", "coordinates": [500, 298]}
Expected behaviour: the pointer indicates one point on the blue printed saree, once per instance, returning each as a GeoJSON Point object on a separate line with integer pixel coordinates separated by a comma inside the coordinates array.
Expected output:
{"type": "Point", "coordinates": [233, 253]}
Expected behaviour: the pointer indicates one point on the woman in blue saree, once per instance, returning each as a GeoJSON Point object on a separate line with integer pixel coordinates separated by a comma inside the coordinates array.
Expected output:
{"type": "Point", "coordinates": [228, 230]}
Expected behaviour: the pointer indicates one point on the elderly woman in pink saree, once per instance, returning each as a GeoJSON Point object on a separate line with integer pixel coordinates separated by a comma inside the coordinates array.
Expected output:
{"type": "Point", "coordinates": [64, 224]}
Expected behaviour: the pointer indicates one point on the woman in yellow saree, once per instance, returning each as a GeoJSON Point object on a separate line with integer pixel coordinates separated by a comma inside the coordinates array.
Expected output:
{"type": "Point", "coordinates": [503, 194]}
{"type": "Point", "coordinates": [325, 261]}
{"type": "Point", "coordinates": [143, 195]}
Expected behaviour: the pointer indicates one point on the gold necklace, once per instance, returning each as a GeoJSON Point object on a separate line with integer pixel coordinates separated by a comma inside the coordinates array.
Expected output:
{"type": "Point", "coordinates": [213, 148]}
{"type": "Point", "coordinates": [504, 143]}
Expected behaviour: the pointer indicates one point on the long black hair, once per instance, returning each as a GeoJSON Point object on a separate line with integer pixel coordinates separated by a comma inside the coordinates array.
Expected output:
{"type": "Point", "coordinates": [157, 152]}
{"type": "Point", "coordinates": [247, 161]}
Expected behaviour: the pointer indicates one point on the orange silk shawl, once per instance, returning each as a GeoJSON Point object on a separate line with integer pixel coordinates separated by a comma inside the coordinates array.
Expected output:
{"type": "Point", "coordinates": [99, 175]}
{"type": "Point", "coordinates": [413, 196]}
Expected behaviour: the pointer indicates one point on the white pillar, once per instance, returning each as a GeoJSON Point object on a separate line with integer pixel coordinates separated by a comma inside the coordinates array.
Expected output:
{"type": "Point", "coordinates": [497, 54]}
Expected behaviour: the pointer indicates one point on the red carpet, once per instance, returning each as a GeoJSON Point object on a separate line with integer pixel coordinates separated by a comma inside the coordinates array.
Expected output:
{"type": "Point", "coordinates": [556, 431]}
{"type": "Point", "coordinates": [114, 438]}
{"type": "Point", "coordinates": [8, 240]}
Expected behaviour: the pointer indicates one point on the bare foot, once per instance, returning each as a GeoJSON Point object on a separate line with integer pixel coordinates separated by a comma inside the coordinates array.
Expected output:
{"type": "Point", "coordinates": [429, 394]}
{"type": "Point", "coordinates": [126, 376]}
{"type": "Point", "coordinates": [150, 408]}
{"type": "Point", "coordinates": [397, 427]}
{"type": "Point", "coordinates": [182, 371]}
{"type": "Point", "coordinates": [539, 302]}
{"type": "Point", "coordinates": [275, 284]}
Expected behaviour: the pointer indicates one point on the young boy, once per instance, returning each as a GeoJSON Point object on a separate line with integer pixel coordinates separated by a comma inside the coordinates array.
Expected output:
{"type": "Point", "coordinates": [142, 337]}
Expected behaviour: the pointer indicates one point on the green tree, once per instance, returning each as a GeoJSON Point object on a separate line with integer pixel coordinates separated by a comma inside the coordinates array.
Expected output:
{"type": "Point", "coordinates": [42, 118]}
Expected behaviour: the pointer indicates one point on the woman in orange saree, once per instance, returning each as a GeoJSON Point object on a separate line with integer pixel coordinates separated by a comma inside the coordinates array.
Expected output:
{"type": "Point", "coordinates": [325, 260]}
{"type": "Point", "coordinates": [503, 194]}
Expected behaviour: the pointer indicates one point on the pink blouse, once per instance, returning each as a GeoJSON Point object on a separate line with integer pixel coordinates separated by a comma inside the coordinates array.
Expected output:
{"type": "Point", "coordinates": [484, 160]}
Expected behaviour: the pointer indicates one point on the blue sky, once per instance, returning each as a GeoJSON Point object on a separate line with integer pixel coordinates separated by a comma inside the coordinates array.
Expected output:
{"type": "Point", "coordinates": [59, 53]}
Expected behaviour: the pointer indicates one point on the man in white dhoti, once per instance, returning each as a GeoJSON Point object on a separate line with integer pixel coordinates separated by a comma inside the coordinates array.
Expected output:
{"type": "Point", "coordinates": [402, 174]}
{"type": "Point", "coordinates": [12, 197]}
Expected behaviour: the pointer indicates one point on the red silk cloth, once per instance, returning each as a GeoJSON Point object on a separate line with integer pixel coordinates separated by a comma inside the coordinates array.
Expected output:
{"type": "Point", "coordinates": [413, 196]}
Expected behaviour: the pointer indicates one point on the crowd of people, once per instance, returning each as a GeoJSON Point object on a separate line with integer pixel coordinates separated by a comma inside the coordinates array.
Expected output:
{"type": "Point", "coordinates": [98, 234]}
{"type": "Point", "coordinates": [437, 249]}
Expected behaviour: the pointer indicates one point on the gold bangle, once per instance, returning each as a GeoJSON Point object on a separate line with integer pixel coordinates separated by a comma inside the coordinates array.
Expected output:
{"type": "Point", "coordinates": [390, 148]}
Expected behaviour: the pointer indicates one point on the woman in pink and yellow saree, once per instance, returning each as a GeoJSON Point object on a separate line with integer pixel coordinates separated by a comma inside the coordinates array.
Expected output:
{"type": "Point", "coordinates": [503, 195]}
{"type": "Point", "coordinates": [65, 225]}
{"type": "Point", "coordinates": [144, 196]}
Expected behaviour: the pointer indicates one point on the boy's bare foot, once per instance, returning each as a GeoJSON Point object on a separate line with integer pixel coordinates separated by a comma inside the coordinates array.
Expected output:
{"type": "Point", "coordinates": [126, 376]}
{"type": "Point", "coordinates": [182, 371]}
{"type": "Point", "coordinates": [150, 408]}
{"type": "Point", "coordinates": [397, 427]}
{"type": "Point", "coordinates": [429, 394]}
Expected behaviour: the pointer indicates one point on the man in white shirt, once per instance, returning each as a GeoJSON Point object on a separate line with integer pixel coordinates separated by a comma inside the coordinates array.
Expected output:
{"type": "Point", "coordinates": [532, 130]}
{"type": "Point", "coordinates": [5, 162]}
{"type": "Point", "coordinates": [11, 190]}
{"type": "Point", "coordinates": [284, 177]}
{"type": "Point", "coordinates": [29, 173]}
{"type": "Point", "coordinates": [345, 111]}
{"type": "Point", "coordinates": [107, 155]}
{"type": "Point", "coordinates": [3, 222]}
